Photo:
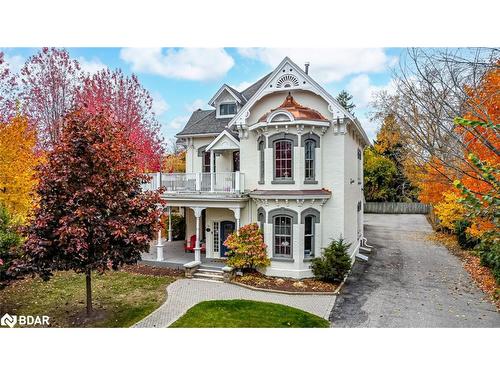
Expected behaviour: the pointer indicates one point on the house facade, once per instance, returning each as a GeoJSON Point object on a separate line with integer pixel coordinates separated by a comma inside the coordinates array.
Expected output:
{"type": "Point", "coordinates": [284, 154]}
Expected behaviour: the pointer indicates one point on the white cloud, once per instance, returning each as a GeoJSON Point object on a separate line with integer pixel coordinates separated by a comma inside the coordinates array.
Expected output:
{"type": "Point", "coordinates": [327, 65]}
{"type": "Point", "coordinates": [15, 62]}
{"type": "Point", "coordinates": [362, 90]}
{"type": "Point", "coordinates": [198, 64]}
{"type": "Point", "coordinates": [178, 122]}
{"type": "Point", "coordinates": [160, 106]}
{"type": "Point", "coordinates": [91, 66]}
{"type": "Point", "coordinates": [197, 104]}
{"type": "Point", "coordinates": [242, 85]}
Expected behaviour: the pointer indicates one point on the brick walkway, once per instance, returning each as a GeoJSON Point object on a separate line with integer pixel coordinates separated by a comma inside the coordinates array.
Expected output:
{"type": "Point", "coordinates": [185, 293]}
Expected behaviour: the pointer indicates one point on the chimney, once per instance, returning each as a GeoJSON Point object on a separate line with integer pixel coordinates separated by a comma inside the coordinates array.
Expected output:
{"type": "Point", "coordinates": [307, 67]}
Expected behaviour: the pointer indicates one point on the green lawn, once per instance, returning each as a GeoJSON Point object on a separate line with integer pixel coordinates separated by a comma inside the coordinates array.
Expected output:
{"type": "Point", "coordinates": [247, 314]}
{"type": "Point", "coordinates": [120, 298]}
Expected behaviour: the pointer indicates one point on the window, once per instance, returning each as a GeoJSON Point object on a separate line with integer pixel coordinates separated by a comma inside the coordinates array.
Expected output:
{"type": "Point", "coordinates": [309, 221]}
{"type": "Point", "coordinates": [360, 166]}
{"type": "Point", "coordinates": [227, 109]}
{"type": "Point", "coordinates": [283, 159]}
{"type": "Point", "coordinates": [261, 162]}
{"type": "Point", "coordinates": [236, 161]}
{"type": "Point", "coordinates": [309, 159]}
{"type": "Point", "coordinates": [206, 162]}
{"type": "Point", "coordinates": [283, 236]}
{"type": "Point", "coordinates": [216, 237]}
{"type": "Point", "coordinates": [260, 219]}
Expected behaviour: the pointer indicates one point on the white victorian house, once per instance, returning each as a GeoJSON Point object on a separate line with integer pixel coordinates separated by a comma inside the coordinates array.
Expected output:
{"type": "Point", "coordinates": [282, 153]}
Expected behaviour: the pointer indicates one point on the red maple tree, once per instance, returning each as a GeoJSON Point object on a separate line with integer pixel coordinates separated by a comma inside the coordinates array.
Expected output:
{"type": "Point", "coordinates": [50, 80]}
{"type": "Point", "coordinates": [131, 104]}
{"type": "Point", "coordinates": [92, 213]}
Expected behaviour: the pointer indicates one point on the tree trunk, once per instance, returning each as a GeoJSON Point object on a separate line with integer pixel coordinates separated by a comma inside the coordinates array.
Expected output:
{"type": "Point", "coordinates": [88, 280]}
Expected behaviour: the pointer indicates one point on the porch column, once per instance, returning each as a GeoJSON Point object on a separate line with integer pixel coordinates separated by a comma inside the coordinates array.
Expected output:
{"type": "Point", "coordinates": [169, 224]}
{"type": "Point", "coordinates": [159, 245]}
{"type": "Point", "coordinates": [237, 212]}
{"type": "Point", "coordinates": [197, 250]}
{"type": "Point", "coordinates": [212, 170]}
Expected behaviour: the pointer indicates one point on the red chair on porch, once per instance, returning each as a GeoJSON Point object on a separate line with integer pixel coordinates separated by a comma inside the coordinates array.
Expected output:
{"type": "Point", "coordinates": [190, 245]}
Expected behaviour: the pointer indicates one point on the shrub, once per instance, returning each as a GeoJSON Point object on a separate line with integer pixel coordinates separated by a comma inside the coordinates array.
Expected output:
{"type": "Point", "coordinates": [247, 249]}
{"type": "Point", "coordinates": [490, 256]}
{"type": "Point", "coordinates": [334, 263]}
{"type": "Point", "coordinates": [463, 238]}
{"type": "Point", "coordinates": [10, 241]}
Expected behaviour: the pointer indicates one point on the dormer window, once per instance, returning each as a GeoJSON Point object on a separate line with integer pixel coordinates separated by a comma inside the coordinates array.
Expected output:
{"type": "Point", "coordinates": [227, 109]}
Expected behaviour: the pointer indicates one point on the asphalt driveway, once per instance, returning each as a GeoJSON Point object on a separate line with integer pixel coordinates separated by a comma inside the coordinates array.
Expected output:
{"type": "Point", "coordinates": [409, 282]}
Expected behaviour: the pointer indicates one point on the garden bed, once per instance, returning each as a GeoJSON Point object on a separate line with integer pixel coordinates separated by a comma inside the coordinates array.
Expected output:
{"type": "Point", "coordinates": [143, 269]}
{"type": "Point", "coordinates": [260, 281]}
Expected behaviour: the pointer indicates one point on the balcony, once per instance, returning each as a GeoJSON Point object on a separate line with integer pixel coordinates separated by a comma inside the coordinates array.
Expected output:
{"type": "Point", "coordinates": [197, 182]}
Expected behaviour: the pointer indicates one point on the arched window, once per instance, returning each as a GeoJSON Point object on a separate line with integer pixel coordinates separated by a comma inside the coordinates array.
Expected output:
{"type": "Point", "coordinates": [309, 160]}
{"type": "Point", "coordinates": [261, 219]}
{"type": "Point", "coordinates": [261, 162]}
{"type": "Point", "coordinates": [283, 160]}
{"type": "Point", "coordinates": [282, 227]}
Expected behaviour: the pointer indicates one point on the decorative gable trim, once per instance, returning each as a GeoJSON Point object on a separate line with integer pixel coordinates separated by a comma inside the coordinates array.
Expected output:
{"type": "Point", "coordinates": [281, 80]}
{"type": "Point", "coordinates": [225, 133]}
{"type": "Point", "coordinates": [220, 91]}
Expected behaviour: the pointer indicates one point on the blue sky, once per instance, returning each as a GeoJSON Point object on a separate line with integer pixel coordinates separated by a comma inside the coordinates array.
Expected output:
{"type": "Point", "coordinates": [184, 79]}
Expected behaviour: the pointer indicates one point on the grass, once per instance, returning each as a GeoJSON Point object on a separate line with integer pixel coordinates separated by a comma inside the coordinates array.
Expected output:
{"type": "Point", "coordinates": [247, 314]}
{"type": "Point", "coordinates": [120, 298]}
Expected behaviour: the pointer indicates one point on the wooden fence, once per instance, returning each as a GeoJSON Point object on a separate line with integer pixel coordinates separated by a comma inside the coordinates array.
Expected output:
{"type": "Point", "coordinates": [396, 208]}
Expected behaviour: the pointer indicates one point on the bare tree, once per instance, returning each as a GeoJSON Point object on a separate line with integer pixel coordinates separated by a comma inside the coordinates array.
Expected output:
{"type": "Point", "coordinates": [432, 87]}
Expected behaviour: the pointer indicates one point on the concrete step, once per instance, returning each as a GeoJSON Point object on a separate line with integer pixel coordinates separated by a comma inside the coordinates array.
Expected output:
{"type": "Point", "coordinates": [365, 249]}
{"type": "Point", "coordinates": [362, 257]}
{"type": "Point", "coordinates": [210, 270]}
{"type": "Point", "coordinates": [208, 275]}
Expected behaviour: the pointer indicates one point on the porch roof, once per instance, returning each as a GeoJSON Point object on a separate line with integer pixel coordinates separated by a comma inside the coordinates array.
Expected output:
{"type": "Point", "coordinates": [224, 141]}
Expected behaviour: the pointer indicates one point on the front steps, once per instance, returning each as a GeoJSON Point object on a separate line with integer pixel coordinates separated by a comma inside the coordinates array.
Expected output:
{"type": "Point", "coordinates": [209, 274]}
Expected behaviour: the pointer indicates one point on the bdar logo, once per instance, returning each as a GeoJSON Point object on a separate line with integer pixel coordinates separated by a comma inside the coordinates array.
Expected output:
{"type": "Point", "coordinates": [8, 320]}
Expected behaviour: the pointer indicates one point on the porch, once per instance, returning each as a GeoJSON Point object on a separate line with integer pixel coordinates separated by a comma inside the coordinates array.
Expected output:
{"type": "Point", "coordinates": [174, 256]}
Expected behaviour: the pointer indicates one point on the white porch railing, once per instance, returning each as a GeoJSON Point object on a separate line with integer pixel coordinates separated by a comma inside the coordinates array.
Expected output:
{"type": "Point", "coordinates": [219, 182]}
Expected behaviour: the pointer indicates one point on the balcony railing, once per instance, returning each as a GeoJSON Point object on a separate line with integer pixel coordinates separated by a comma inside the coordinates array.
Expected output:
{"type": "Point", "coordinates": [219, 182]}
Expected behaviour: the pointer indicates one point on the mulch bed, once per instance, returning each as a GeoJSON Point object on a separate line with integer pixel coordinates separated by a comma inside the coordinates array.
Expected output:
{"type": "Point", "coordinates": [481, 275]}
{"type": "Point", "coordinates": [259, 280]}
{"type": "Point", "coordinates": [143, 269]}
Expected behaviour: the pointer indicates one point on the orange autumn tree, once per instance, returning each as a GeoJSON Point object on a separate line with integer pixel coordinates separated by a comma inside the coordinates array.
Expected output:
{"type": "Point", "coordinates": [435, 181]}
{"type": "Point", "coordinates": [18, 160]}
{"type": "Point", "coordinates": [480, 134]}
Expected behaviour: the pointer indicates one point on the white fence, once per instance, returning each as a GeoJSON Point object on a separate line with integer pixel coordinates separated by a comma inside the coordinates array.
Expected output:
{"type": "Point", "coordinates": [219, 182]}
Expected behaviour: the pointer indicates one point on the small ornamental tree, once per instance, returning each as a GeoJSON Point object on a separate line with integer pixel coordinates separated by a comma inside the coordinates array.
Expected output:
{"type": "Point", "coordinates": [334, 263]}
{"type": "Point", "coordinates": [247, 249]}
{"type": "Point", "coordinates": [92, 213]}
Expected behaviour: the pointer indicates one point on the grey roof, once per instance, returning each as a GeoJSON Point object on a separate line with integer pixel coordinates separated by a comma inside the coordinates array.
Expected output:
{"type": "Point", "coordinates": [203, 121]}
{"type": "Point", "coordinates": [250, 91]}
{"type": "Point", "coordinates": [238, 94]}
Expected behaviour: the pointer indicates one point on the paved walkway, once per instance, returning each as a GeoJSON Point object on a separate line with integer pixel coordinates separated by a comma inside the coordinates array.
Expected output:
{"type": "Point", "coordinates": [410, 281]}
{"type": "Point", "coordinates": [185, 293]}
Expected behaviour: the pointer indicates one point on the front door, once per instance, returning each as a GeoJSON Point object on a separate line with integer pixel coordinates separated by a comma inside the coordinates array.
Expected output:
{"type": "Point", "coordinates": [226, 228]}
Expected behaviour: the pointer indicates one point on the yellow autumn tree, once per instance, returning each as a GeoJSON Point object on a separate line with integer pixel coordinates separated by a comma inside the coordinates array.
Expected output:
{"type": "Point", "coordinates": [449, 210]}
{"type": "Point", "coordinates": [18, 159]}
